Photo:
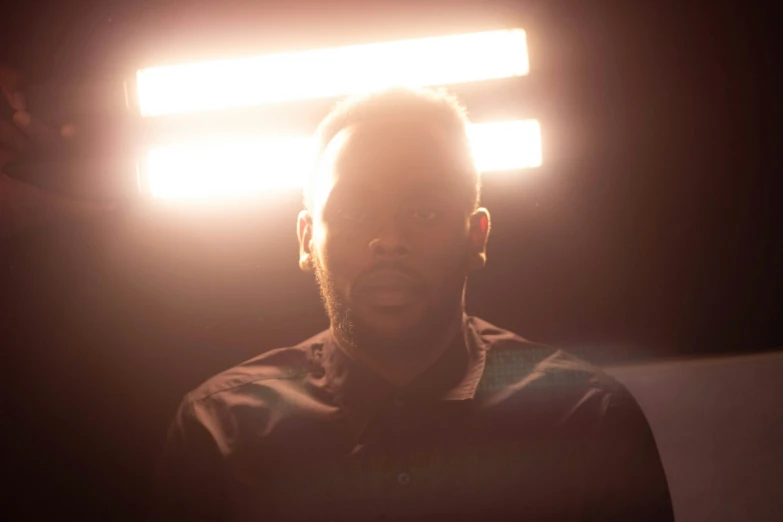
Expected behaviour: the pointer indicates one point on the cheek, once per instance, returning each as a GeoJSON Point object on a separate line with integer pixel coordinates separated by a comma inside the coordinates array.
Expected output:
{"type": "Point", "coordinates": [343, 256]}
{"type": "Point", "coordinates": [443, 256]}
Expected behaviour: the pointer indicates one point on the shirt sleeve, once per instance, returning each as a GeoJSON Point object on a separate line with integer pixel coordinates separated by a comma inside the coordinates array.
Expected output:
{"type": "Point", "coordinates": [188, 485]}
{"type": "Point", "coordinates": [626, 480]}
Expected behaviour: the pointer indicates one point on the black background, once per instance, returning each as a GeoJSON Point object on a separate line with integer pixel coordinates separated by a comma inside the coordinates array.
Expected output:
{"type": "Point", "coordinates": [651, 230]}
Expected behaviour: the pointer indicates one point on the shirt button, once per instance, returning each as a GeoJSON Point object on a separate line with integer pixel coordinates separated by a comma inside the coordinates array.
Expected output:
{"type": "Point", "coordinates": [403, 478]}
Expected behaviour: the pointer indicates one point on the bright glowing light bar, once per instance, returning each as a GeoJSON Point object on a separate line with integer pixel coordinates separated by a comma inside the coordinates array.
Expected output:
{"type": "Point", "coordinates": [231, 168]}
{"type": "Point", "coordinates": [332, 72]}
{"type": "Point", "coordinates": [217, 169]}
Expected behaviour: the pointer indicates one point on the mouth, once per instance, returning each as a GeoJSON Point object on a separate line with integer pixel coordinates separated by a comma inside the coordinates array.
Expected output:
{"type": "Point", "coordinates": [389, 290]}
{"type": "Point", "coordinates": [391, 296]}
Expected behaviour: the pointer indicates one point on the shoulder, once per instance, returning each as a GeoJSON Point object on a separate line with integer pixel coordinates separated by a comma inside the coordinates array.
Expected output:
{"type": "Point", "coordinates": [518, 371]}
{"type": "Point", "coordinates": [278, 364]}
{"type": "Point", "coordinates": [510, 357]}
{"type": "Point", "coordinates": [237, 402]}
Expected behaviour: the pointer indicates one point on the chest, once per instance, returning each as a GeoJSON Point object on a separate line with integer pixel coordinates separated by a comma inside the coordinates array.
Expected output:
{"type": "Point", "coordinates": [423, 464]}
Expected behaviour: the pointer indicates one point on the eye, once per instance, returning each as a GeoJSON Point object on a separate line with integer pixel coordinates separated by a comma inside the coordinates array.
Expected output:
{"type": "Point", "coordinates": [352, 214]}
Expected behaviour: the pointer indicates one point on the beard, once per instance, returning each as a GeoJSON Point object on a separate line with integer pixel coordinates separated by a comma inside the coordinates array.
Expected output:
{"type": "Point", "coordinates": [350, 327]}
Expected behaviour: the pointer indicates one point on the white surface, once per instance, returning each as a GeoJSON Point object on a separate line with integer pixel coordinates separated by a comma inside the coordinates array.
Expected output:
{"type": "Point", "coordinates": [719, 428]}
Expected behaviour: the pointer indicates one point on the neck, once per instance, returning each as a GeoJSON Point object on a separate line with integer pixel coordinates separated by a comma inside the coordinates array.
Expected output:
{"type": "Point", "coordinates": [400, 367]}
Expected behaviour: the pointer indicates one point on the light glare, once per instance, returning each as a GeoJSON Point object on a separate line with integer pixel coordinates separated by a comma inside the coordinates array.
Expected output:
{"type": "Point", "coordinates": [332, 72]}
{"type": "Point", "coordinates": [247, 167]}
{"type": "Point", "coordinates": [506, 145]}
{"type": "Point", "coordinates": [227, 168]}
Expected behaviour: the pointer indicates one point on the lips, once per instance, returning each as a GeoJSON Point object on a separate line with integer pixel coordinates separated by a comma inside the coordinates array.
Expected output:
{"type": "Point", "coordinates": [389, 289]}
{"type": "Point", "coordinates": [391, 296]}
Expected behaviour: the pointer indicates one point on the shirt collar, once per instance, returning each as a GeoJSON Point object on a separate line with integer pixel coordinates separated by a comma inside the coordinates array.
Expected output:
{"type": "Point", "coordinates": [454, 376]}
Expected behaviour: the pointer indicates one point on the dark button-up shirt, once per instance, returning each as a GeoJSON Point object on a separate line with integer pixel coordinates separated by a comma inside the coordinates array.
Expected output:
{"type": "Point", "coordinates": [498, 428]}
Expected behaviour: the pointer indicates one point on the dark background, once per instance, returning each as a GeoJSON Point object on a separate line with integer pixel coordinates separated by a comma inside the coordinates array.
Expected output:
{"type": "Point", "coordinates": [650, 232]}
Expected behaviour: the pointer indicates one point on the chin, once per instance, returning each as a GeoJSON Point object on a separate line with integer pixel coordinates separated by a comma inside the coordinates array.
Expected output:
{"type": "Point", "coordinates": [390, 324]}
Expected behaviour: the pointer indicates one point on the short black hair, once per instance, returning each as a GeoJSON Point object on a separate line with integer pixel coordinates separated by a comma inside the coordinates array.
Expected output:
{"type": "Point", "coordinates": [402, 105]}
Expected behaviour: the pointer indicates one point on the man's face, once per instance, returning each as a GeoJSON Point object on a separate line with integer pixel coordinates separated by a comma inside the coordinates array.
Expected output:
{"type": "Point", "coordinates": [390, 234]}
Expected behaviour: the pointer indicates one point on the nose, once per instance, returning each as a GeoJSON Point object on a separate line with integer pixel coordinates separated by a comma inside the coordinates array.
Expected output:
{"type": "Point", "coordinates": [390, 241]}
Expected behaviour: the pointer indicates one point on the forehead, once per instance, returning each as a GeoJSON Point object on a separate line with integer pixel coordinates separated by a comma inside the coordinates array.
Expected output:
{"type": "Point", "coordinates": [390, 159]}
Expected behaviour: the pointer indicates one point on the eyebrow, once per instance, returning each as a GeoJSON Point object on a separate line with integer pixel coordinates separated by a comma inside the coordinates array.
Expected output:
{"type": "Point", "coordinates": [364, 190]}
{"type": "Point", "coordinates": [341, 192]}
{"type": "Point", "coordinates": [436, 189]}
{"type": "Point", "coordinates": [440, 188]}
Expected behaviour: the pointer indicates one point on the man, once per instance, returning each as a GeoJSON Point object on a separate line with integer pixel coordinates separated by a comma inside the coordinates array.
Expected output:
{"type": "Point", "coordinates": [406, 408]}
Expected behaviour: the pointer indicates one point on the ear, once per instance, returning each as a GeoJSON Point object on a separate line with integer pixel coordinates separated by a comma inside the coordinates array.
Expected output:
{"type": "Point", "coordinates": [304, 231]}
{"type": "Point", "coordinates": [479, 234]}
